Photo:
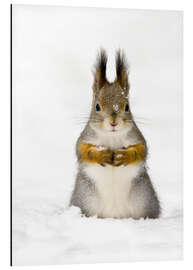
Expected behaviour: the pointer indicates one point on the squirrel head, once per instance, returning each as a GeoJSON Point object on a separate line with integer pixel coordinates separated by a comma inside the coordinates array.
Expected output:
{"type": "Point", "coordinates": [110, 108]}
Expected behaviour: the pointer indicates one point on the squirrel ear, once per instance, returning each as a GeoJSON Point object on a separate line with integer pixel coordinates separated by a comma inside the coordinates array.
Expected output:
{"type": "Point", "coordinates": [122, 70]}
{"type": "Point", "coordinates": [100, 70]}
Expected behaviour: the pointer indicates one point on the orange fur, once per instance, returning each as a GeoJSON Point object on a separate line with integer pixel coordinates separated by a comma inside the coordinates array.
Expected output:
{"type": "Point", "coordinates": [90, 153]}
{"type": "Point", "coordinates": [130, 155]}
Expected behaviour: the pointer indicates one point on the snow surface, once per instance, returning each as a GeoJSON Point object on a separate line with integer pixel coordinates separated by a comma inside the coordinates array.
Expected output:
{"type": "Point", "coordinates": [53, 52]}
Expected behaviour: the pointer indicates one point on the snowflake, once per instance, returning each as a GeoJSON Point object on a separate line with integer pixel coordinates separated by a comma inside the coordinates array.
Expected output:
{"type": "Point", "coordinates": [101, 148]}
{"type": "Point", "coordinates": [115, 107]}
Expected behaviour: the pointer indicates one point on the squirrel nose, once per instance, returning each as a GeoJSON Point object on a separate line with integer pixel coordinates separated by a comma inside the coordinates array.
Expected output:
{"type": "Point", "coordinates": [113, 124]}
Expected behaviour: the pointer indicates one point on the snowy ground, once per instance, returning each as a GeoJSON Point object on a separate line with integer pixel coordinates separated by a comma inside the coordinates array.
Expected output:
{"type": "Point", "coordinates": [53, 52]}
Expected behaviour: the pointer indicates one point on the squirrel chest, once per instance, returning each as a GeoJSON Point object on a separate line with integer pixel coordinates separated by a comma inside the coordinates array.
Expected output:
{"type": "Point", "coordinates": [112, 183]}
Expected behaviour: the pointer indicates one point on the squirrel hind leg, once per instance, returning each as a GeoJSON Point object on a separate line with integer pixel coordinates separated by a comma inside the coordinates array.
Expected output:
{"type": "Point", "coordinates": [87, 203]}
{"type": "Point", "coordinates": [144, 199]}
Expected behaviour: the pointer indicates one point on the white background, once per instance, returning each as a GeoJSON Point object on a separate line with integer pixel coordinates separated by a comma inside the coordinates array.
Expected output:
{"type": "Point", "coordinates": [141, 6]}
{"type": "Point", "coordinates": [53, 51]}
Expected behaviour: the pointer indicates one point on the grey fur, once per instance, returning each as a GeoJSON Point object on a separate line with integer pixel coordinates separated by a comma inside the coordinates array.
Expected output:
{"type": "Point", "coordinates": [142, 195]}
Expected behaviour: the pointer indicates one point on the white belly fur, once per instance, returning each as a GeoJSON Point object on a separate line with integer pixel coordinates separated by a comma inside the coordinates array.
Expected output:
{"type": "Point", "coordinates": [113, 185]}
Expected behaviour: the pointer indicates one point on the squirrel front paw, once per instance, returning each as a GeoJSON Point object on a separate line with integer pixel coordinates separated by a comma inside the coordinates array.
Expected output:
{"type": "Point", "coordinates": [120, 158]}
{"type": "Point", "coordinates": [132, 154]}
{"type": "Point", "coordinates": [92, 153]}
{"type": "Point", "coordinates": [106, 157]}
{"type": "Point", "coordinates": [125, 157]}
{"type": "Point", "coordinates": [102, 157]}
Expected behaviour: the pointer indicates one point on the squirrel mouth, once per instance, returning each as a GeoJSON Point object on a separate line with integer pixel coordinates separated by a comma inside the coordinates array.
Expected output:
{"type": "Point", "coordinates": [113, 129]}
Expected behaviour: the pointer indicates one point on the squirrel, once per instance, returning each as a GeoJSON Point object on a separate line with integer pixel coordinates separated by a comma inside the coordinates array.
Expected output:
{"type": "Point", "coordinates": [112, 179]}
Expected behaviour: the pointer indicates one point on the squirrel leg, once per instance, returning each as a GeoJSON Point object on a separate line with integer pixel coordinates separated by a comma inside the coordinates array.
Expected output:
{"type": "Point", "coordinates": [90, 153]}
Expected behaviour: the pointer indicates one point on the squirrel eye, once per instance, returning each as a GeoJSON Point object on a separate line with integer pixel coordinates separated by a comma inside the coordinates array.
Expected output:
{"type": "Point", "coordinates": [127, 107]}
{"type": "Point", "coordinates": [98, 108]}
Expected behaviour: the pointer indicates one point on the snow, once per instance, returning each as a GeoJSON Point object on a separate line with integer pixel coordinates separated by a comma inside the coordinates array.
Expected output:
{"type": "Point", "coordinates": [119, 155]}
{"type": "Point", "coordinates": [101, 148]}
{"type": "Point", "coordinates": [116, 107]}
{"type": "Point", "coordinates": [52, 59]}
{"type": "Point", "coordinates": [65, 237]}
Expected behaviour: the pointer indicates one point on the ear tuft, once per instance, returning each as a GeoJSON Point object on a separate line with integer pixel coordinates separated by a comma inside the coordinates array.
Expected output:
{"type": "Point", "coordinates": [122, 70]}
{"type": "Point", "coordinates": [100, 70]}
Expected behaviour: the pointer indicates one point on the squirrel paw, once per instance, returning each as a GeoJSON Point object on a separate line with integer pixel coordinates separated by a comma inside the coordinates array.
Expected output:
{"type": "Point", "coordinates": [124, 157]}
